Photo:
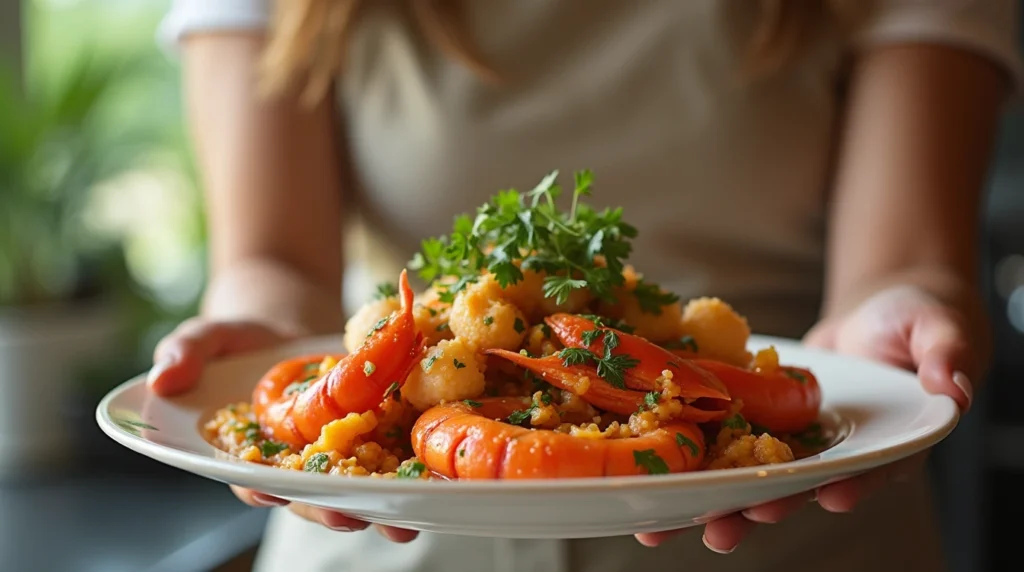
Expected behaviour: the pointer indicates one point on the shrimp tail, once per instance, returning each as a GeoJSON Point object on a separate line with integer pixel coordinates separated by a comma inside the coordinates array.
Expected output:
{"type": "Point", "coordinates": [357, 383]}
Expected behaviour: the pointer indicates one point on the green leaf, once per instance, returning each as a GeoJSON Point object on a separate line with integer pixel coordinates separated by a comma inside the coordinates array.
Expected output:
{"type": "Point", "coordinates": [316, 463]}
{"type": "Point", "coordinates": [270, 448]}
{"type": "Point", "coordinates": [684, 441]}
{"type": "Point", "coordinates": [650, 461]}
{"type": "Point", "coordinates": [412, 470]}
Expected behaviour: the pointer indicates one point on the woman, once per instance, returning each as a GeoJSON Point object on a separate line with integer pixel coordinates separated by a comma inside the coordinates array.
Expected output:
{"type": "Point", "coordinates": [818, 164]}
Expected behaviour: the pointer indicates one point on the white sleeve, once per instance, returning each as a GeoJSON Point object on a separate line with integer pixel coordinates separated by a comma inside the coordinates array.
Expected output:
{"type": "Point", "coordinates": [987, 27]}
{"type": "Point", "coordinates": [189, 16]}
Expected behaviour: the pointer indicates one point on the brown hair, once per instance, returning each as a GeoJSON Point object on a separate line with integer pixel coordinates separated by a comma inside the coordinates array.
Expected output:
{"type": "Point", "coordinates": [308, 39]}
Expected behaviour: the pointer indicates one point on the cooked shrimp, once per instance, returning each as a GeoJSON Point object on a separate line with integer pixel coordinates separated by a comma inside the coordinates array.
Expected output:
{"type": "Point", "coordinates": [366, 317]}
{"type": "Point", "coordinates": [296, 415]}
{"type": "Point", "coordinates": [662, 325]}
{"type": "Point", "coordinates": [464, 441]}
{"type": "Point", "coordinates": [450, 371]}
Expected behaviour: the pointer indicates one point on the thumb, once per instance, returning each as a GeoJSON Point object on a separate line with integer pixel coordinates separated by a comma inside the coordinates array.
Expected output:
{"type": "Point", "coordinates": [940, 348]}
{"type": "Point", "coordinates": [822, 335]}
{"type": "Point", "coordinates": [179, 358]}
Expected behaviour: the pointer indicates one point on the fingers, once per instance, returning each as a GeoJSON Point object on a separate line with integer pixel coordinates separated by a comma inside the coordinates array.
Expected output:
{"type": "Point", "coordinates": [180, 357]}
{"type": "Point", "coordinates": [653, 539]}
{"type": "Point", "coordinates": [775, 511]}
{"type": "Point", "coordinates": [822, 335]}
{"type": "Point", "coordinates": [328, 518]}
{"type": "Point", "coordinates": [724, 535]}
{"type": "Point", "coordinates": [940, 347]}
{"type": "Point", "coordinates": [845, 495]}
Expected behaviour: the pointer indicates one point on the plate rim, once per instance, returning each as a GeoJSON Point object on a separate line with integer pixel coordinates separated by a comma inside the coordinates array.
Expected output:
{"type": "Point", "coordinates": [315, 484]}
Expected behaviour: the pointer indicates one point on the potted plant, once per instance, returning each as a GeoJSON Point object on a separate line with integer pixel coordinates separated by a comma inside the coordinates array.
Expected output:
{"type": "Point", "coordinates": [57, 277]}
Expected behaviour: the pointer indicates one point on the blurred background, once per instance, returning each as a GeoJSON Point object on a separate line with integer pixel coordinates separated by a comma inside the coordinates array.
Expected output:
{"type": "Point", "coordinates": [102, 252]}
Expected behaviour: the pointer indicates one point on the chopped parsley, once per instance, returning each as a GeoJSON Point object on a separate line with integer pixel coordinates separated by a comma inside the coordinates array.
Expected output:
{"type": "Point", "coordinates": [684, 441]}
{"type": "Point", "coordinates": [430, 362]}
{"type": "Point", "coordinates": [299, 386]}
{"type": "Point", "coordinates": [651, 298]}
{"type": "Point", "coordinates": [369, 368]}
{"type": "Point", "coordinates": [251, 431]}
{"type": "Point", "coordinates": [652, 398]}
{"type": "Point", "coordinates": [758, 430]}
{"type": "Point", "coordinates": [795, 374]}
{"type": "Point", "coordinates": [545, 398]}
{"type": "Point", "coordinates": [462, 452]}
{"type": "Point", "coordinates": [271, 448]}
{"type": "Point", "coordinates": [394, 433]}
{"type": "Point", "coordinates": [650, 461]}
{"type": "Point", "coordinates": [518, 416]}
{"type": "Point", "coordinates": [611, 368]}
{"type": "Point", "coordinates": [735, 422]}
{"type": "Point", "coordinates": [376, 327]}
{"type": "Point", "coordinates": [412, 470]}
{"type": "Point", "coordinates": [519, 326]}
{"type": "Point", "coordinates": [391, 390]}
{"type": "Point", "coordinates": [317, 463]}
{"type": "Point", "coordinates": [812, 437]}
{"type": "Point", "coordinates": [488, 320]}
{"type": "Point", "coordinates": [472, 403]}
{"type": "Point", "coordinates": [458, 364]}
{"type": "Point", "coordinates": [442, 327]}
{"type": "Point", "coordinates": [385, 290]}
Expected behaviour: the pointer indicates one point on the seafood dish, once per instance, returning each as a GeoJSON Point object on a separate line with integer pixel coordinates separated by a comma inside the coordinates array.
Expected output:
{"type": "Point", "coordinates": [535, 351]}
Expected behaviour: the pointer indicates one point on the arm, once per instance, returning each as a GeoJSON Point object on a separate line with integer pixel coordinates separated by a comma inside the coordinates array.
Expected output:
{"type": "Point", "coordinates": [273, 193]}
{"type": "Point", "coordinates": [908, 192]}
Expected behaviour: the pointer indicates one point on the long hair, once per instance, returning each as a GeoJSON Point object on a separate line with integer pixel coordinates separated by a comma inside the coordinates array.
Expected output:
{"type": "Point", "coordinates": [306, 49]}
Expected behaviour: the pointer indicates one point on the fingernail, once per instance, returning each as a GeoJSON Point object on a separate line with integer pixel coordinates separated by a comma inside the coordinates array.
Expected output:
{"type": "Point", "coordinates": [961, 380]}
{"type": "Point", "coordinates": [267, 500]}
{"type": "Point", "coordinates": [716, 550]}
{"type": "Point", "coordinates": [158, 369]}
{"type": "Point", "coordinates": [341, 528]}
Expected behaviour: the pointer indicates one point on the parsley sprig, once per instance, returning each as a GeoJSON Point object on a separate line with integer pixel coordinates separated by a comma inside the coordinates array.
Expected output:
{"type": "Point", "coordinates": [529, 229]}
{"type": "Point", "coordinates": [610, 367]}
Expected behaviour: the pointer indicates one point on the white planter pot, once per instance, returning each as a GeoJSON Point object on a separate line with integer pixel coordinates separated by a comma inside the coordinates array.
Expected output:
{"type": "Point", "coordinates": [41, 350]}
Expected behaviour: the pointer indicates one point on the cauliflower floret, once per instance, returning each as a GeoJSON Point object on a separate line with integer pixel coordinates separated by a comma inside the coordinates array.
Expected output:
{"type": "Point", "coordinates": [366, 318]}
{"type": "Point", "coordinates": [720, 333]}
{"type": "Point", "coordinates": [484, 320]}
{"type": "Point", "coordinates": [528, 296]}
{"type": "Point", "coordinates": [661, 326]}
{"type": "Point", "coordinates": [431, 317]}
{"type": "Point", "coordinates": [449, 372]}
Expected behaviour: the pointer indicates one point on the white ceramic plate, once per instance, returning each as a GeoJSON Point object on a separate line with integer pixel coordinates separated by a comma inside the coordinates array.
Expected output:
{"type": "Point", "coordinates": [883, 414]}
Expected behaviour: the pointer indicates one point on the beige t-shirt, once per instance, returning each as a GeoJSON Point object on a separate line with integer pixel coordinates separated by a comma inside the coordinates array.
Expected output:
{"type": "Point", "coordinates": [727, 182]}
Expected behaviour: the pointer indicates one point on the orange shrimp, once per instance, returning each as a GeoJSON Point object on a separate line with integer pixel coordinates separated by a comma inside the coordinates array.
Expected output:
{"type": "Point", "coordinates": [585, 382]}
{"type": "Point", "coordinates": [786, 400]}
{"type": "Point", "coordinates": [465, 441]}
{"type": "Point", "coordinates": [356, 384]}
{"type": "Point", "coordinates": [693, 382]}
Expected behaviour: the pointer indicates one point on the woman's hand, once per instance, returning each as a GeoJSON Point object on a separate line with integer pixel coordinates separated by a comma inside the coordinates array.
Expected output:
{"type": "Point", "coordinates": [903, 326]}
{"type": "Point", "coordinates": [179, 360]}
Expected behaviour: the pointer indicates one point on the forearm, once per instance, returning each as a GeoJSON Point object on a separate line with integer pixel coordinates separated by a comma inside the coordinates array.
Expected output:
{"type": "Point", "coordinates": [268, 291]}
{"type": "Point", "coordinates": [915, 154]}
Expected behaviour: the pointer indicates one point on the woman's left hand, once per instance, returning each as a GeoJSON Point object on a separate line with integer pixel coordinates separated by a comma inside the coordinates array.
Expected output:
{"type": "Point", "coordinates": [947, 345]}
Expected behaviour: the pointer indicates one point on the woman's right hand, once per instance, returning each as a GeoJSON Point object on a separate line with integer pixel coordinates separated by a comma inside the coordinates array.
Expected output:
{"type": "Point", "coordinates": [179, 360]}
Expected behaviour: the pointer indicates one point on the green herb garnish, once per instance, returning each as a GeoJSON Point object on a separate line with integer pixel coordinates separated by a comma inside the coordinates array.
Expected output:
{"type": "Point", "coordinates": [519, 326]}
{"type": "Point", "coordinates": [385, 290]}
{"type": "Point", "coordinates": [611, 368]}
{"type": "Point", "coordinates": [684, 343]}
{"type": "Point", "coordinates": [458, 364]}
{"type": "Point", "coordinates": [650, 460]}
{"type": "Point", "coordinates": [376, 327]}
{"type": "Point", "coordinates": [520, 415]}
{"type": "Point", "coordinates": [795, 375]}
{"type": "Point", "coordinates": [369, 368]}
{"type": "Point", "coordinates": [684, 441]}
{"type": "Point", "coordinates": [412, 470]}
{"type": "Point", "coordinates": [317, 463]}
{"type": "Point", "coordinates": [735, 422]}
{"type": "Point", "coordinates": [472, 403]}
{"type": "Point", "coordinates": [651, 399]}
{"type": "Point", "coordinates": [651, 298]}
{"type": "Point", "coordinates": [529, 229]}
{"type": "Point", "coordinates": [392, 389]}
{"type": "Point", "coordinates": [271, 448]}
{"type": "Point", "coordinates": [488, 320]}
